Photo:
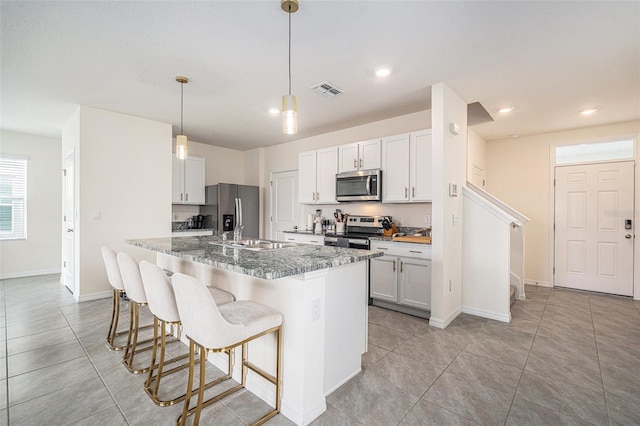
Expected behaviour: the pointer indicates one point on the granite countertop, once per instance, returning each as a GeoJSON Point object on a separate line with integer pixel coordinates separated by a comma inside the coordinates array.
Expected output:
{"type": "Point", "coordinates": [192, 230]}
{"type": "Point", "coordinates": [266, 264]}
{"type": "Point", "coordinates": [301, 231]}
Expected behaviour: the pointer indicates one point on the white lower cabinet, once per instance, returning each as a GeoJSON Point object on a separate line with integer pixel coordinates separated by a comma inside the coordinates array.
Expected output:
{"type": "Point", "coordinates": [402, 275]}
{"type": "Point", "coordinates": [317, 240]}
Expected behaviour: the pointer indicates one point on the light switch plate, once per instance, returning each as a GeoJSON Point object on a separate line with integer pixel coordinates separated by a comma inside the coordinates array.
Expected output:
{"type": "Point", "coordinates": [96, 215]}
{"type": "Point", "coordinates": [454, 128]}
{"type": "Point", "coordinates": [453, 189]}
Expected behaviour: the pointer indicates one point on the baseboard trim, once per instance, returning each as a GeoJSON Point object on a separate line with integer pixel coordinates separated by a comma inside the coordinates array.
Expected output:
{"type": "Point", "coordinates": [443, 323]}
{"type": "Point", "coordinates": [487, 314]}
{"type": "Point", "coordinates": [25, 274]}
{"type": "Point", "coordinates": [538, 283]}
{"type": "Point", "coordinates": [330, 391]}
{"type": "Point", "coordinates": [95, 296]}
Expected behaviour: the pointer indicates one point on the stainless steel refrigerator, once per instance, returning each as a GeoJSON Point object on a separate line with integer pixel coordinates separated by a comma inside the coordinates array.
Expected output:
{"type": "Point", "coordinates": [220, 208]}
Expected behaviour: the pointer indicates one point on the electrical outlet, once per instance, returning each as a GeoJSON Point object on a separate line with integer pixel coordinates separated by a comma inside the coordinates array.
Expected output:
{"type": "Point", "coordinates": [315, 309]}
{"type": "Point", "coordinates": [427, 218]}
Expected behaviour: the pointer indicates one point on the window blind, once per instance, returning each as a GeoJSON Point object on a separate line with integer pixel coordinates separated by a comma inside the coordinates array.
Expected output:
{"type": "Point", "coordinates": [13, 197]}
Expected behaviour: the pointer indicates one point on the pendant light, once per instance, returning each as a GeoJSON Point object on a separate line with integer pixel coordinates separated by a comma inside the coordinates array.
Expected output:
{"type": "Point", "coordinates": [289, 102]}
{"type": "Point", "coordinates": [181, 139]}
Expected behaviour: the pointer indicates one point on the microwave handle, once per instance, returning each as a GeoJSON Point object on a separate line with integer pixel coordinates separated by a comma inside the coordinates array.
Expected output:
{"type": "Point", "coordinates": [368, 185]}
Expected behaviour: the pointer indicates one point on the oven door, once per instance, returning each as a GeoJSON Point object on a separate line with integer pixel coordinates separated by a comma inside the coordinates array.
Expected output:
{"type": "Point", "coordinates": [359, 186]}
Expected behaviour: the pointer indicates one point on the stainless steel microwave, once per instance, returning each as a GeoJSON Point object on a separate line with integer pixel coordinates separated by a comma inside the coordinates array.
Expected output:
{"type": "Point", "coordinates": [365, 185]}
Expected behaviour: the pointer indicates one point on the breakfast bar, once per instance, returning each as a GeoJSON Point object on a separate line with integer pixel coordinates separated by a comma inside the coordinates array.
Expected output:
{"type": "Point", "coordinates": [320, 291]}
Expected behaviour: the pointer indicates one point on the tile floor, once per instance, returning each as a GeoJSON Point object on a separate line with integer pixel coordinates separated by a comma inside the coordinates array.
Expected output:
{"type": "Point", "coordinates": [566, 358]}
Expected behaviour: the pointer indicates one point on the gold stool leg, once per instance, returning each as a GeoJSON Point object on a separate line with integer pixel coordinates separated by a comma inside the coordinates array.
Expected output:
{"type": "Point", "coordinates": [182, 420]}
{"type": "Point", "coordinates": [113, 327]}
{"type": "Point", "coordinates": [132, 342]}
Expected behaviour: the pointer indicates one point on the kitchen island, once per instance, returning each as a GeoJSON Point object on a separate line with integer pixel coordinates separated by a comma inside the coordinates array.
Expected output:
{"type": "Point", "coordinates": [321, 293]}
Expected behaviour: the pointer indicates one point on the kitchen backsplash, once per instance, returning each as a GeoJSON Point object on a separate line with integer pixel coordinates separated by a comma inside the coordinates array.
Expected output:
{"type": "Point", "coordinates": [407, 215]}
{"type": "Point", "coordinates": [180, 213]}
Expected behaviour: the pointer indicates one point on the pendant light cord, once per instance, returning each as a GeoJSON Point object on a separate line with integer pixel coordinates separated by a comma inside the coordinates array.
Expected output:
{"type": "Point", "coordinates": [289, 49]}
{"type": "Point", "coordinates": [181, 106]}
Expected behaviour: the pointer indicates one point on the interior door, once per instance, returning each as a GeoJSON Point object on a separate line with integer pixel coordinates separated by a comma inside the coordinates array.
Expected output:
{"type": "Point", "coordinates": [593, 207]}
{"type": "Point", "coordinates": [284, 203]}
{"type": "Point", "coordinates": [68, 239]}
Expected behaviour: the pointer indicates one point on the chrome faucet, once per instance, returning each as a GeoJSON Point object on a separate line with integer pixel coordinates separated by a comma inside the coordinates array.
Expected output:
{"type": "Point", "coordinates": [225, 237]}
{"type": "Point", "coordinates": [237, 231]}
{"type": "Point", "coordinates": [237, 234]}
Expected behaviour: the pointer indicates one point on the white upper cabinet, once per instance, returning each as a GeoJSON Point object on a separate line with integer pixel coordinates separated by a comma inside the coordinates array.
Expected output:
{"type": "Point", "coordinates": [406, 166]}
{"type": "Point", "coordinates": [395, 169]}
{"type": "Point", "coordinates": [188, 181]}
{"type": "Point", "coordinates": [317, 176]}
{"type": "Point", "coordinates": [363, 155]}
{"type": "Point", "coordinates": [420, 167]}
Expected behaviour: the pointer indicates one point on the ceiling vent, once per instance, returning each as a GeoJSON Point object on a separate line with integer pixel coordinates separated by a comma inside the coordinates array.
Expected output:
{"type": "Point", "coordinates": [327, 89]}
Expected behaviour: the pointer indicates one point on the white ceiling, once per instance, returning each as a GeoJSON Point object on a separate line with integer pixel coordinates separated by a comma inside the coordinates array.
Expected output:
{"type": "Point", "coordinates": [548, 59]}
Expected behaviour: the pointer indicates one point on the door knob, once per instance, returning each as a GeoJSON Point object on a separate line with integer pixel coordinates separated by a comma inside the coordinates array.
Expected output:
{"type": "Point", "coordinates": [69, 230]}
{"type": "Point", "coordinates": [627, 236]}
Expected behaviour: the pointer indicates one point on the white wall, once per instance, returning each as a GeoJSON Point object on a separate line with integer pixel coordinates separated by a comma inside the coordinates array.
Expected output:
{"type": "Point", "coordinates": [285, 157]}
{"type": "Point", "coordinates": [221, 164]}
{"type": "Point", "coordinates": [519, 173]}
{"type": "Point", "coordinates": [449, 166]}
{"type": "Point", "coordinates": [123, 170]}
{"type": "Point", "coordinates": [40, 253]}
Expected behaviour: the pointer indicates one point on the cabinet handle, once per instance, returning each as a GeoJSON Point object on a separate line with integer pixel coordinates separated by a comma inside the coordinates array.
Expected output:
{"type": "Point", "coordinates": [394, 266]}
{"type": "Point", "coordinates": [382, 248]}
{"type": "Point", "coordinates": [313, 241]}
{"type": "Point", "coordinates": [413, 191]}
{"type": "Point", "coordinates": [406, 192]}
{"type": "Point", "coordinates": [414, 251]}
{"type": "Point", "coordinates": [186, 197]}
{"type": "Point", "coordinates": [355, 165]}
{"type": "Point", "coordinates": [181, 196]}
{"type": "Point", "coordinates": [361, 163]}
{"type": "Point", "coordinates": [401, 265]}
{"type": "Point", "coordinates": [290, 239]}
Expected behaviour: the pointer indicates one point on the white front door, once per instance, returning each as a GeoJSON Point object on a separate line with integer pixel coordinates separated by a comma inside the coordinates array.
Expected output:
{"type": "Point", "coordinates": [593, 207]}
{"type": "Point", "coordinates": [68, 240]}
{"type": "Point", "coordinates": [284, 203]}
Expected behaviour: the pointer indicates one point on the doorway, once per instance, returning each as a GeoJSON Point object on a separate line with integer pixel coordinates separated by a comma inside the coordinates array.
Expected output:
{"type": "Point", "coordinates": [594, 236]}
{"type": "Point", "coordinates": [284, 203]}
{"type": "Point", "coordinates": [68, 219]}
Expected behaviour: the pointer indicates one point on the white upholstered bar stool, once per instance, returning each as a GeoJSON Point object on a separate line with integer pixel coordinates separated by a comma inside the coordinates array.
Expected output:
{"type": "Point", "coordinates": [213, 328]}
{"type": "Point", "coordinates": [132, 281]}
{"type": "Point", "coordinates": [115, 279]}
{"type": "Point", "coordinates": [162, 304]}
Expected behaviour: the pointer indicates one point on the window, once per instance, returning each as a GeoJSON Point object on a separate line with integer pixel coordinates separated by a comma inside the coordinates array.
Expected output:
{"type": "Point", "coordinates": [13, 197]}
{"type": "Point", "coordinates": [592, 152]}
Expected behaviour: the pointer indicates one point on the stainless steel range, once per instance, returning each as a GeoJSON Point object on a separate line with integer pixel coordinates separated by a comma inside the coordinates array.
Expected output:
{"type": "Point", "coordinates": [358, 231]}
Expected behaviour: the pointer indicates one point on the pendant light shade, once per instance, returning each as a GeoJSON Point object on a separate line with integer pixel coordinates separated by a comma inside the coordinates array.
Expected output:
{"type": "Point", "coordinates": [289, 102]}
{"type": "Point", "coordinates": [181, 139]}
{"type": "Point", "coordinates": [289, 115]}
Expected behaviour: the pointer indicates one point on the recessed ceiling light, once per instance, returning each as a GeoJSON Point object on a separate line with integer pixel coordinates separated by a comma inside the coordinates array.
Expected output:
{"type": "Point", "coordinates": [588, 111]}
{"type": "Point", "coordinates": [274, 111]}
{"type": "Point", "coordinates": [383, 72]}
{"type": "Point", "coordinates": [506, 109]}
{"type": "Point", "coordinates": [515, 135]}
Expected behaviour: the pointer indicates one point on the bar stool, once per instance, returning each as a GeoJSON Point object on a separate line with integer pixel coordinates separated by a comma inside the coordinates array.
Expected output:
{"type": "Point", "coordinates": [132, 281]}
{"type": "Point", "coordinates": [221, 329]}
{"type": "Point", "coordinates": [115, 279]}
{"type": "Point", "coordinates": [162, 304]}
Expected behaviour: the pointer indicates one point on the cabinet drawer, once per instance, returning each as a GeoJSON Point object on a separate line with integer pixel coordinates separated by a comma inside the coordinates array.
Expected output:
{"type": "Point", "coordinates": [421, 251]}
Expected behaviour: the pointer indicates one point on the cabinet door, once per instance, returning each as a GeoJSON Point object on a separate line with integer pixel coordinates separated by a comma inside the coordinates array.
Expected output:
{"type": "Point", "coordinates": [348, 157]}
{"type": "Point", "coordinates": [194, 180]}
{"type": "Point", "coordinates": [415, 282]}
{"type": "Point", "coordinates": [369, 155]}
{"type": "Point", "coordinates": [177, 180]}
{"type": "Point", "coordinates": [421, 166]}
{"type": "Point", "coordinates": [327, 167]}
{"type": "Point", "coordinates": [383, 278]}
{"type": "Point", "coordinates": [395, 167]}
{"type": "Point", "coordinates": [307, 177]}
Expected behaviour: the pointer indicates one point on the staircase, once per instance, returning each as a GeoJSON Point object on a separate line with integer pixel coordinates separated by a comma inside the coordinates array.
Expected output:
{"type": "Point", "coordinates": [512, 295]}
